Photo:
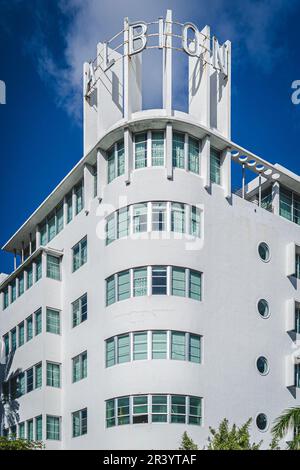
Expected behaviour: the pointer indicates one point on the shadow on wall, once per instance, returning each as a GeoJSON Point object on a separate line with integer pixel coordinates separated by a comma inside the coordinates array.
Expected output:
{"type": "Point", "coordinates": [9, 406]}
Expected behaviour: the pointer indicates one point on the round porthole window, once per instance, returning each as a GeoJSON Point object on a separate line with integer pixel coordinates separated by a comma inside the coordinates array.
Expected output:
{"type": "Point", "coordinates": [262, 365]}
{"type": "Point", "coordinates": [264, 252]}
{"type": "Point", "coordinates": [263, 308]}
{"type": "Point", "coordinates": [261, 422]}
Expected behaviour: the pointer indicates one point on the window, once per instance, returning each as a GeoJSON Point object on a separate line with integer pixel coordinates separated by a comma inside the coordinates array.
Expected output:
{"type": "Point", "coordinates": [139, 282]}
{"type": "Point", "coordinates": [195, 348]}
{"type": "Point", "coordinates": [178, 282]}
{"type": "Point", "coordinates": [53, 428]}
{"type": "Point", "coordinates": [110, 352]}
{"type": "Point", "coordinates": [21, 335]}
{"type": "Point", "coordinates": [140, 150]}
{"type": "Point", "coordinates": [178, 346]}
{"type": "Point", "coordinates": [53, 374]}
{"type": "Point", "coordinates": [140, 409]}
{"type": "Point", "coordinates": [123, 285]}
{"type": "Point", "coordinates": [51, 227]}
{"type": "Point", "coordinates": [115, 161]}
{"type": "Point", "coordinates": [79, 419]}
{"type": "Point", "coordinates": [159, 409]}
{"type": "Point", "coordinates": [297, 320]}
{"type": "Point", "coordinates": [297, 375]}
{"type": "Point", "coordinates": [120, 158]}
{"type": "Point", "coordinates": [53, 321]}
{"type": "Point", "coordinates": [30, 430]}
{"type": "Point", "coordinates": [13, 339]}
{"type": "Point", "coordinates": [159, 345]}
{"type": "Point", "coordinates": [69, 203]}
{"type": "Point", "coordinates": [79, 364]}
{"type": "Point", "coordinates": [159, 280]}
{"type": "Point", "coordinates": [13, 290]}
{"type": "Point", "coordinates": [21, 431]}
{"type": "Point", "coordinates": [80, 254]}
{"type": "Point", "coordinates": [110, 229]}
{"type": "Point", "coordinates": [178, 409]}
{"type": "Point", "coordinates": [5, 298]}
{"type": "Point", "coordinates": [177, 217]}
{"type": "Point", "coordinates": [140, 346]}
{"type": "Point", "coordinates": [215, 166]}
{"type": "Point", "coordinates": [38, 268]}
{"type": "Point", "coordinates": [38, 322]}
{"type": "Point", "coordinates": [297, 265]}
{"type": "Point", "coordinates": [140, 218]}
{"type": "Point", "coordinates": [178, 150]}
{"type": "Point", "coordinates": [289, 205]}
{"type": "Point", "coordinates": [262, 422]}
{"type": "Point", "coordinates": [123, 410]}
{"type": "Point", "coordinates": [53, 267]}
{"type": "Point", "coordinates": [79, 310]}
{"type": "Point", "coordinates": [21, 384]}
{"type": "Point", "coordinates": [29, 328]}
{"type": "Point", "coordinates": [6, 344]}
{"type": "Point", "coordinates": [110, 290]}
{"type": "Point", "coordinates": [195, 285]}
{"type": "Point", "coordinates": [29, 380]}
{"type": "Point", "coordinates": [39, 428]}
{"type": "Point", "coordinates": [123, 347]}
{"type": "Point", "coordinates": [264, 252]}
{"type": "Point", "coordinates": [195, 228]}
{"type": "Point", "coordinates": [194, 410]}
{"type": "Point", "coordinates": [158, 158]}
{"type": "Point", "coordinates": [79, 202]}
{"type": "Point", "coordinates": [21, 284]}
{"type": "Point", "coordinates": [263, 308]}
{"type": "Point", "coordinates": [110, 413]}
{"type": "Point", "coordinates": [29, 271]}
{"type": "Point", "coordinates": [159, 216]}
{"type": "Point", "coordinates": [193, 155]}
{"type": "Point", "coordinates": [43, 233]}
{"type": "Point", "coordinates": [123, 223]}
{"type": "Point", "coordinates": [262, 365]}
{"type": "Point", "coordinates": [111, 165]}
{"type": "Point", "coordinates": [38, 375]}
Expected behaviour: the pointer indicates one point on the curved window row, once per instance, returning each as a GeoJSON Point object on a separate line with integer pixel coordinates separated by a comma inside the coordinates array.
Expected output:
{"type": "Point", "coordinates": [158, 216]}
{"type": "Point", "coordinates": [141, 409]}
{"type": "Point", "coordinates": [153, 280]}
{"type": "Point", "coordinates": [157, 344]}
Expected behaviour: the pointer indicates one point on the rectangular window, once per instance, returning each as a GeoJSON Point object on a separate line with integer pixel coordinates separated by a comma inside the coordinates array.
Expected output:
{"type": "Point", "coordinates": [140, 409]}
{"type": "Point", "coordinates": [159, 345]}
{"type": "Point", "coordinates": [110, 290]}
{"type": "Point", "coordinates": [69, 202]}
{"type": "Point", "coordinates": [195, 348]}
{"type": "Point", "coordinates": [30, 430]}
{"type": "Point", "coordinates": [159, 409]}
{"type": "Point", "coordinates": [5, 298]}
{"type": "Point", "coordinates": [111, 169]}
{"type": "Point", "coordinates": [21, 335]}
{"type": "Point", "coordinates": [178, 150]}
{"type": "Point", "coordinates": [79, 310]}
{"type": "Point", "coordinates": [29, 276]}
{"type": "Point", "coordinates": [178, 282]}
{"type": "Point", "coordinates": [79, 254]}
{"type": "Point", "coordinates": [79, 364]}
{"type": "Point", "coordinates": [193, 156]}
{"type": "Point", "coordinates": [38, 322]}
{"type": "Point", "coordinates": [123, 223]}
{"type": "Point", "coordinates": [59, 218]}
{"type": "Point", "coordinates": [29, 328]}
{"type": "Point", "coordinates": [121, 158]}
{"type": "Point", "coordinates": [195, 228]}
{"type": "Point", "coordinates": [53, 267]}
{"type": "Point", "coordinates": [123, 345]}
{"type": "Point", "coordinates": [44, 232]}
{"type": "Point", "coordinates": [52, 321]}
{"type": "Point", "coordinates": [177, 217]}
{"type": "Point", "coordinates": [13, 290]}
{"type": "Point", "coordinates": [39, 428]}
{"type": "Point", "coordinates": [139, 282]}
{"type": "Point", "coordinates": [159, 216]}
{"type": "Point", "coordinates": [110, 352]}
{"type": "Point", "coordinates": [297, 266]}
{"type": "Point", "coordinates": [140, 346]}
{"type": "Point", "coordinates": [51, 227]}
{"type": "Point", "coordinates": [79, 420]}
{"type": "Point", "coordinates": [53, 428]}
{"type": "Point", "coordinates": [195, 411]}
{"type": "Point", "coordinates": [159, 280]}
{"type": "Point", "coordinates": [110, 413]}
{"type": "Point", "coordinates": [21, 284]}
{"type": "Point", "coordinates": [297, 320]}
{"type": "Point", "coordinates": [195, 285]}
{"type": "Point", "coordinates": [13, 334]}
{"type": "Point", "coordinates": [178, 409]}
{"type": "Point", "coordinates": [21, 431]}
{"type": "Point", "coordinates": [110, 229]}
{"type": "Point", "coordinates": [6, 344]}
{"type": "Point", "coordinates": [29, 380]}
{"type": "Point", "coordinates": [78, 191]}
{"type": "Point", "coordinates": [178, 346]}
{"type": "Point", "coordinates": [38, 375]}
{"type": "Point", "coordinates": [158, 148]}
{"type": "Point", "coordinates": [123, 410]}
{"type": "Point", "coordinates": [53, 374]}
{"type": "Point", "coordinates": [286, 204]}
{"type": "Point", "coordinates": [140, 214]}
{"type": "Point", "coordinates": [215, 166]}
{"type": "Point", "coordinates": [140, 150]}
{"type": "Point", "coordinates": [38, 268]}
{"type": "Point", "coordinates": [123, 285]}
{"type": "Point", "coordinates": [21, 385]}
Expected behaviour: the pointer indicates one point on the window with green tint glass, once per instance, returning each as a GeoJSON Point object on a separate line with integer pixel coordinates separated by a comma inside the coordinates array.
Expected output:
{"type": "Point", "coordinates": [193, 155]}
{"type": "Point", "coordinates": [178, 346]}
{"type": "Point", "coordinates": [79, 421]}
{"type": "Point", "coordinates": [53, 374]}
{"type": "Point", "coordinates": [13, 339]}
{"type": "Point", "coordinates": [30, 430]}
{"type": "Point", "coordinates": [29, 276]}
{"type": "Point", "coordinates": [195, 348]}
{"type": "Point", "coordinates": [79, 310]}
{"type": "Point", "coordinates": [159, 345]}
{"type": "Point", "coordinates": [43, 233]}
{"type": "Point", "coordinates": [110, 413]}
{"type": "Point", "coordinates": [79, 254]}
{"type": "Point", "coordinates": [21, 384]}
{"type": "Point", "coordinates": [21, 284]}
{"type": "Point", "coordinates": [159, 409]}
{"type": "Point", "coordinates": [297, 265]}
{"type": "Point", "coordinates": [195, 227]}
{"type": "Point", "coordinates": [140, 345]}
{"type": "Point", "coordinates": [194, 410]}
{"type": "Point", "coordinates": [59, 218]}
{"type": "Point", "coordinates": [195, 285]}
{"type": "Point", "coordinates": [139, 282]}
{"type": "Point", "coordinates": [6, 344]}
{"type": "Point", "coordinates": [297, 320]}
{"type": "Point", "coordinates": [52, 321]}
{"type": "Point", "coordinates": [140, 216]}
{"type": "Point", "coordinates": [140, 409]}
{"type": "Point", "coordinates": [110, 352]}
{"type": "Point", "coordinates": [178, 281]}
{"type": "Point", "coordinates": [51, 226]}
{"type": "Point", "coordinates": [79, 366]}
{"type": "Point", "coordinates": [297, 375]}
{"type": "Point", "coordinates": [53, 428]}
{"type": "Point", "coordinates": [123, 414]}
{"type": "Point", "coordinates": [21, 335]}
{"type": "Point", "coordinates": [158, 148]}
{"type": "Point", "coordinates": [39, 428]}
{"type": "Point", "coordinates": [177, 217]}
{"type": "Point", "coordinates": [29, 328]}
{"type": "Point", "coordinates": [178, 409]}
{"type": "Point", "coordinates": [110, 229]}
{"type": "Point", "coordinates": [159, 216]}
{"type": "Point", "coordinates": [123, 222]}
{"type": "Point", "coordinates": [29, 380]}
{"type": "Point", "coordinates": [140, 150]}
{"type": "Point", "coordinates": [38, 322]}
{"type": "Point", "coordinates": [13, 290]}
{"type": "Point", "coordinates": [5, 298]}
{"type": "Point", "coordinates": [215, 166]}
{"type": "Point", "coordinates": [159, 280]}
{"type": "Point", "coordinates": [121, 158]}
{"type": "Point", "coordinates": [123, 285]}
{"type": "Point", "coordinates": [110, 290]}
{"type": "Point", "coordinates": [38, 375]}
{"type": "Point", "coordinates": [111, 168]}
{"type": "Point", "coordinates": [178, 150]}
{"type": "Point", "coordinates": [53, 267]}
{"type": "Point", "coordinates": [79, 200]}
{"type": "Point", "coordinates": [38, 268]}
{"type": "Point", "coordinates": [69, 202]}
{"type": "Point", "coordinates": [21, 434]}
{"type": "Point", "coordinates": [123, 347]}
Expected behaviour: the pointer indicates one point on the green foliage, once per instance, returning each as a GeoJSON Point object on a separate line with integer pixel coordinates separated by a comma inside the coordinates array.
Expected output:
{"type": "Point", "coordinates": [9, 443]}
{"type": "Point", "coordinates": [235, 438]}
{"type": "Point", "coordinates": [289, 419]}
{"type": "Point", "coordinates": [187, 443]}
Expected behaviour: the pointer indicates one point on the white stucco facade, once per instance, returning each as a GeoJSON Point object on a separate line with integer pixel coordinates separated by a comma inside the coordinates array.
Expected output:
{"type": "Point", "coordinates": [234, 278]}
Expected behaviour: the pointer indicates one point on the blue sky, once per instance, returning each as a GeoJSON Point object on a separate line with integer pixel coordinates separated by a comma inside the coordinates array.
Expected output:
{"type": "Point", "coordinates": [43, 44]}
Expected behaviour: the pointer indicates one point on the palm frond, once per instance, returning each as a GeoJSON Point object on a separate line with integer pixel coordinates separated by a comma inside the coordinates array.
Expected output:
{"type": "Point", "coordinates": [288, 419]}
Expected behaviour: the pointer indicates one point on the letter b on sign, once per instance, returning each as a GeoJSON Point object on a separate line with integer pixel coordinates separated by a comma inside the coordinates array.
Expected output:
{"type": "Point", "coordinates": [137, 38]}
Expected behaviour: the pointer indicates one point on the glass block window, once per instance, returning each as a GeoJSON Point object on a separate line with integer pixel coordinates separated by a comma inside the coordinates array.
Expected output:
{"type": "Point", "coordinates": [178, 281]}
{"type": "Point", "coordinates": [178, 409]}
{"type": "Point", "coordinates": [159, 216]}
{"type": "Point", "coordinates": [215, 166]}
{"type": "Point", "coordinates": [140, 154]}
{"type": "Point", "coordinates": [123, 285]}
{"type": "Point", "coordinates": [79, 310]}
{"type": "Point", "coordinates": [140, 345]}
{"type": "Point", "coordinates": [140, 214]}
{"type": "Point", "coordinates": [53, 428]}
{"type": "Point", "coordinates": [38, 322]}
{"type": "Point", "coordinates": [80, 254]}
{"type": "Point", "coordinates": [79, 365]}
{"type": "Point", "coordinates": [110, 229]}
{"type": "Point", "coordinates": [195, 285]}
{"type": "Point", "coordinates": [159, 345]}
{"type": "Point", "coordinates": [195, 228]}
{"type": "Point", "coordinates": [79, 421]}
{"type": "Point", "coordinates": [123, 348]}
{"type": "Point", "coordinates": [78, 191]}
{"type": "Point", "coordinates": [53, 321]}
{"type": "Point", "coordinates": [159, 280]}
{"type": "Point", "coordinates": [53, 267]}
{"type": "Point", "coordinates": [159, 412]}
{"type": "Point", "coordinates": [178, 150]}
{"type": "Point", "coordinates": [178, 345]}
{"type": "Point", "coordinates": [193, 155]}
{"type": "Point", "coordinates": [158, 157]}
{"type": "Point", "coordinates": [21, 331]}
{"type": "Point", "coordinates": [39, 428]}
{"type": "Point", "coordinates": [177, 217]}
{"type": "Point", "coordinates": [140, 409]}
{"type": "Point", "coordinates": [195, 348]}
{"type": "Point", "coordinates": [29, 328]}
{"type": "Point", "coordinates": [110, 290]}
{"type": "Point", "coordinates": [123, 223]}
{"type": "Point", "coordinates": [53, 374]}
{"type": "Point", "coordinates": [139, 282]}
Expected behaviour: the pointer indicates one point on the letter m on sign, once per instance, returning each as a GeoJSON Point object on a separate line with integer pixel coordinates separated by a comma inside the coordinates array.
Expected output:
{"type": "Point", "coordinates": [2, 92]}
